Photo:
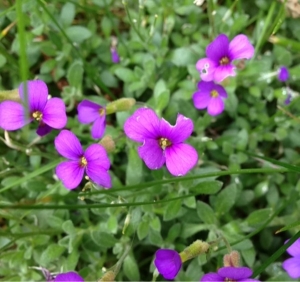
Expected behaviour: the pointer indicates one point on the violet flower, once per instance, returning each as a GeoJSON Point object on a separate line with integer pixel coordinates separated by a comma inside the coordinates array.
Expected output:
{"type": "Point", "coordinates": [162, 142]}
{"type": "Point", "coordinates": [114, 55]}
{"type": "Point", "coordinates": [292, 265]}
{"type": "Point", "coordinates": [283, 74]}
{"type": "Point", "coordinates": [49, 113]}
{"type": "Point", "coordinates": [220, 55]}
{"type": "Point", "coordinates": [230, 274]}
{"type": "Point", "coordinates": [168, 263]}
{"type": "Point", "coordinates": [90, 112]}
{"type": "Point", "coordinates": [94, 161]}
{"type": "Point", "coordinates": [68, 276]}
{"type": "Point", "coordinates": [210, 96]}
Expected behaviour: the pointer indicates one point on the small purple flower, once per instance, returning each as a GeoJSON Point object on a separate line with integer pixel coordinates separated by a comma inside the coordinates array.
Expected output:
{"type": "Point", "coordinates": [210, 96]}
{"type": "Point", "coordinates": [94, 161]}
{"type": "Point", "coordinates": [283, 74]}
{"type": "Point", "coordinates": [292, 265]}
{"type": "Point", "coordinates": [68, 276]}
{"type": "Point", "coordinates": [220, 55]}
{"type": "Point", "coordinates": [49, 113]}
{"type": "Point", "coordinates": [230, 274]}
{"type": "Point", "coordinates": [90, 112]}
{"type": "Point", "coordinates": [168, 263]}
{"type": "Point", "coordinates": [288, 99]}
{"type": "Point", "coordinates": [114, 55]}
{"type": "Point", "coordinates": [162, 142]}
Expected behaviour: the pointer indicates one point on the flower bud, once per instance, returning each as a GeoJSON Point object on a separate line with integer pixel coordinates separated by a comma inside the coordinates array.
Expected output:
{"type": "Point", "coordinates": [123, 104]}
{"type": "Point", "coordinates": [108, 276]}
{"type": "Point", "coordinates": [232, 259]}
{"type": "Point", "coordinates": [195, 249]}
{"type": "Point", "coordinates": [108, 143]}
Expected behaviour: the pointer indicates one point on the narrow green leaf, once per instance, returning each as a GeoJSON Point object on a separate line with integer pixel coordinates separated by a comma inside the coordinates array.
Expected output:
{"type": "Point", "coordinates": [206, 213]}
{"type": "Point", "coordinates": [225, 200]}
{"type": "Point", "coordinates": [52, 252]}
{"type": "Point", "coordinates": [207, 187]}
{"type": "Point", "coordinates": [172, 210]}
{"type": "Point", "coordinates": [131, 268]}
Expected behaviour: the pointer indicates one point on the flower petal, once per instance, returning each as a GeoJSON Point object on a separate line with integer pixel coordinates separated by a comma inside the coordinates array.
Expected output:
{"type": "Point", "coordinates": [221, 90]}
{"type": "Point", "coordinates": [88, 111]}
{"type": "Point", "coordinates": [201, 100]}
{"type": "Point", "coordinates": [206, 67]}
{"type": "Point", "coordinates": [180, 158]}
{"type": "Point", "coordinates": [212, 277]}
{"type": "Point", "coordinates": [143, 124]}
{"type": "Point", "coordinates": [235, 273]}
{"type": "Point", "coordinates": [223, 72]}
{"type": "Point", "coordinates": [37, 94]}
{"type": "Point", "coordinates": [292, 267]}
{"type": "Point", "coordinates": [283, 74]}
{"type": "Point", "coordinates": [96, 154]}
{"type": "Point", "coordinates": [179, 132]}
{"type": "Point", "coordinates": [68, 145]}
{"type": "Point", "coordinates": [12, 115]}
{"type": "Point", "coordinates": [43, 129]}
{"type": "Point", "coordinates": [68, 276]}
{"type": "Point", "coordinates": [54, 113]}
{"type": "Point", "coordinates": [216, 106]}
{"type": "Point", "coordinates": [240, 48]}
{"type": "Point", "coordinates": [152, 154]}
{"type": "Point", "coordinates": [218, 48]}
{"type": "Point", "coordinates": [98, 175]}
{"type": "Point", "coordinates": [168, 263]}
{"type": "Point", "coordinates": [70, 173]}
{"type": "Point", "coordinates": [294, 249]}
{"type": "Point", "coordinates": [98, 127]}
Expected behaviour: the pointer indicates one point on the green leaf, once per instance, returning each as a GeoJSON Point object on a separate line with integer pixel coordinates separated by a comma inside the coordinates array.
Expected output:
{"type": "Point", "coordinates": [206, 213]}
{"type": "Point", "coordinates": [67, 14]}
{"type": "Point", "coordinates": [126, 75]}
{"type": "Point", "coordinates": [75, 74]}
{"type": "Point", "coordinates": [183, 56]}
{"type": "Point", "coordinates": [103, 239]}
{"type": "Point", "coordinates": [68, 227]}
{"type": "Point", "coordinates": [258, 217]}
{"type": "Point", "coordinates": [207, 187]}
{"type": "Point", "coordinates": [131, 268]}
{"type": "Point", "coordinates": [54, 222]}
{"type": "Point", "coordinates": [134, 169]}
{"type": "Point", "coordinates": [52, 252]}
{"type": "Point", "coordinates": [143, 230]}
{"type": "Point", "coordinates": [2, 60]}
{"type": "Point", "coordinates": [174, 232]}
{"type": "Point", "coordinates": [171, 210]}
{"type": "Point", "coordinates": [78, 34]}
{"type": "Point", "coordinates": [155, 238]}
{"type": "Point", "coordinates": [225, 200]}
{"type": "Point", "coordinates": [289, 226]}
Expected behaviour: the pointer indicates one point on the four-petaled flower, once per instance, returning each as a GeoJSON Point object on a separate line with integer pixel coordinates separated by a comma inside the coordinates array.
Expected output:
{"type": "Point", "coordinates": [49, 113]}
{"type": "Point", "coordinates": [68, 276]}
{"type": "Point", "coordinates": [168, 263]}
{"type": "Point", "coordinates": [230, 274]}
{"type": "Point", "coordinates": [94, 161]}
{"type": "Point", "coordinates": [89, 112]}
{"type": "Point", "coordinates": [220, 54]}
{"type": "Point", "coordinates": [162, 142]}
{"type": "Point", "coordinates": [292, 265]}
{"type": "Point", "coordinates": [210, 96]}
{"type": "Point", "coordinates": [283, 74]}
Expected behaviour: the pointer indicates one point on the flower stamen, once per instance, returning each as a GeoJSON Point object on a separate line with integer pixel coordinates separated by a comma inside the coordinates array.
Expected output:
{"type": "Point", "coordinates": [83, 162]}
{"type": "Point", "coordinates": [102, 112]}
{"type": "Point", "coordinates": [224, 61]}
{"type": "Point", "coordinates": [164, 143]}
{"type": "Point", "coordinates": [214, 94]}
{"type": "Point", "coordinates": [37, 115]}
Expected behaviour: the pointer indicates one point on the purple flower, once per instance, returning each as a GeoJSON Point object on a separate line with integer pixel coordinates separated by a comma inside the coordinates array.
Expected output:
{"type": "Point", "coordinates": [49, 113]}
{"type": "Point", "coordinates": [288, 99]}
{"type": "Point", "coordinates": [283, 74]}
{"type": "Point", "coordinates": [94, 161]}
{"type": "Point", "coordinates": [220, 54]}
{"type": "Point", "coordinates": [68, 276]}
{"type": "Point", "coordinates": [162, 142]}
{"type": "Point", "coordinates": [168, 263]}
{"type": "Point", "coordinates": [114, 55]}
{"type": "Point", "coordinates": [89, 112]}
{"type": "Point", "coordinates": [230, 274]}
{"type": "Point", "coordinates": [292, 265]}
{"type": "Point", "coordinates": [210, 96]}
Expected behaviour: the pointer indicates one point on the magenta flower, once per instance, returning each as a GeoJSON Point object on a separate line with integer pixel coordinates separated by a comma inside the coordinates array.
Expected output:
{"type": "Point", "coordinates": [90, 112]}
{"type": "Point", "coordinates": [230, 274]}
{"type": "Point", "coordinates": [114, 55]}
{"type": "Point", "coordinates": [210, 96]}
{"type": "Point", "coordinates": [283, 74]}
{"type": "Point", "coordinates": [220, 55]}
{"type": "Point", "coordinates": [49, 113]}
{"type": "Point", "coordinates": [94, 161]}
{"type": "Point", "coordinates": [162, 142]}
{"type": "Point", "coordinates": [292, 265]}
{"type": "Point", "coordinates": [68, 276]}
{"type": "Point", "coordinates": [168, 263]}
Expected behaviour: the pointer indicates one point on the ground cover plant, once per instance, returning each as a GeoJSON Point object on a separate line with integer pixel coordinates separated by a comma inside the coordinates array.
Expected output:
{"type": "Point", "coordinates": [149, 140]}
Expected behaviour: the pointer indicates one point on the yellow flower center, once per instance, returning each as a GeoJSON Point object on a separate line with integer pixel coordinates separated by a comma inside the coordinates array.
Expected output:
{"type": "Point", "coordinates": [164, 143]}
{"type": "Point", "coordinates": [224, 61]}
{"type": "Point", "coordinates": [102, 112]}
{"type": "Point", "coordinates": [37, 115]}
{"type": "Point", "coordinates": [214, 94]}
{"type": "Point", "coordinates": [83, 162]}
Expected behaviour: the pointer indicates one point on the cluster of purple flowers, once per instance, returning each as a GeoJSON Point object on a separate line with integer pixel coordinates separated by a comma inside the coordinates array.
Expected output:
{"type": "Point", "coordinates": [217, 66]}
